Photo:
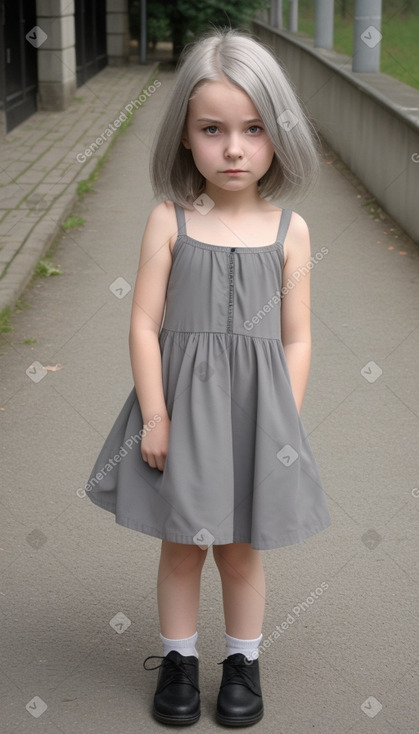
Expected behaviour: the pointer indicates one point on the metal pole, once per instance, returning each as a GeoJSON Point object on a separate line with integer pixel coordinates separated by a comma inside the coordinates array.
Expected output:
{"type": "Point", "coordinates": [143, 37]}
{"type": "Point", "coordinates": [276, 14]}
{"type": "Point", "coordinates": [323, 29]}
{"type": "Point", "coordinates": [293, 16]}
{"type": "Point", "coordinates": [279, 21]}
{"type": "Point", "coordinates": [273, 12]}
{"type": "Point", "coordinates": [367, 36]}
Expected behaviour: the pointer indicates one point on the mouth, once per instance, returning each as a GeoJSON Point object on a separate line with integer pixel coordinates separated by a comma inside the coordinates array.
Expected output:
{"type": "Point", "coordinates": [234, 170]}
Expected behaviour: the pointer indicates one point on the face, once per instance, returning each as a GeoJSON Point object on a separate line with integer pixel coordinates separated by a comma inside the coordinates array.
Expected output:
{"type": "Point", "coordinates": [226, 136]}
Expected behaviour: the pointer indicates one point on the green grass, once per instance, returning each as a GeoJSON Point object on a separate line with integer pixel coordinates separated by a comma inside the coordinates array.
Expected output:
{"type": "Point", "coordinates": [5, 325]}
{"type": "Point", "coordinates": [399, 45]}
{"type": "Point", "coordinates": [84, 187]}
{"type": "Point", "coordinates": [72, 222]}
{"type": "Point", "coordinates": [21, 305]}
{"type": "Point", "coordinates": [45, 268]}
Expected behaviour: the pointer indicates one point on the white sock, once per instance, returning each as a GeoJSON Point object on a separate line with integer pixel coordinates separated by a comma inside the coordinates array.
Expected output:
{"type": "Point", "coordinates": [185, 646]}
{"type": "Point", "coordinates": [249, 648]}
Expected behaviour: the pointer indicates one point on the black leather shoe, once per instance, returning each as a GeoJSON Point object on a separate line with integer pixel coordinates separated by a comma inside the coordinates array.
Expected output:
{"type": "Point", "coordinates": [177, 696]}
{"type": "Point", "coordinates": [239, 701]}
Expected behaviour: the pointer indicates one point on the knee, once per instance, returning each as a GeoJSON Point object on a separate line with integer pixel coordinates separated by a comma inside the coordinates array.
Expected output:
{"type": "Point", "coordinates": [180, 559]}
{"type": "Point", "coordinates": [235, 560]}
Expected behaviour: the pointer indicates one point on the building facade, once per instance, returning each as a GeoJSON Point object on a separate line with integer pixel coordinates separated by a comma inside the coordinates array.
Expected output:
{"type": "Point", "coordinates": [51, 47]}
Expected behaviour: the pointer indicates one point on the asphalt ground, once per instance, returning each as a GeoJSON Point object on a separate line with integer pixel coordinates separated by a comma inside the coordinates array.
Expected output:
{"type": "Point", "coordinates": [78, 592]}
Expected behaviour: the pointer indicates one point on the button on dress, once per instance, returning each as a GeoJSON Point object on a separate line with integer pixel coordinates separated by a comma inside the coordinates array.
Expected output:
{"type": "Point", "coordinates": [239, 467]}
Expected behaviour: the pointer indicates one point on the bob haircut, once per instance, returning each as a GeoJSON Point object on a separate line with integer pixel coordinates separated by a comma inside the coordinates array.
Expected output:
{"type": "Point", "coordinates": [232, 55]}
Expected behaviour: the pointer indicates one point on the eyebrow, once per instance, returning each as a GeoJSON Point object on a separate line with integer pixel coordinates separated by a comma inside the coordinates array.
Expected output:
{"type": "Point", "coordinates": [211, 119]}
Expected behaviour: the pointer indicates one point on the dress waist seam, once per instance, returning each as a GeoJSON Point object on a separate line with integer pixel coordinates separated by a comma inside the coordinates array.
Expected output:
{"type": "Point", "coordinates": [221, 333]}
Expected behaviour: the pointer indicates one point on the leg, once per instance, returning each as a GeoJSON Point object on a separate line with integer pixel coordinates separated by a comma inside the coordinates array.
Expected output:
{"type": "Point", "coordinates": [243, 584]}
{"type": "Point", "coordinates": [177, 696]}
{"type": "Point", "coordinates": [178, 585]}
{"type": "Point", "coordinates": [240, 701]}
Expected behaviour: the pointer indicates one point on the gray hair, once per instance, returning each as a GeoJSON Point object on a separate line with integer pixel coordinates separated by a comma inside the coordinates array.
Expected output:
{"type": "Point", "coordinates": [253, 68]}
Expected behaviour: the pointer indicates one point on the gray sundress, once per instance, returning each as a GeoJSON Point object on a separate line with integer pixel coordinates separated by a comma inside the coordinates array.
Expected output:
{"type": "Point", "coordinates": [239, 467]}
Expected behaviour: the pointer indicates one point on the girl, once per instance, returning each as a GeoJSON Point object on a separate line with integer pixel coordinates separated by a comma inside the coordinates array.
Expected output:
{"type": "Point", "coordinates": [209, 448]}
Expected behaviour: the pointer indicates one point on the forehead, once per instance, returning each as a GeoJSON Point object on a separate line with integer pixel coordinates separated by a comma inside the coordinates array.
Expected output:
{"type": "Point", "coordinates": [213, 98]}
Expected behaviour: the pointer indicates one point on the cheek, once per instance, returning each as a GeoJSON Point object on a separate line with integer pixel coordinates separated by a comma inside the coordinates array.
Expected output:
{"type": "Point", "coordinates": [267, 149]}
{"type": "Point", "coordinates": [202, 155]}
{"type": "Point", "coordinates": [200, 163]}
{"type": "Point", "coordinates": [267, 155]}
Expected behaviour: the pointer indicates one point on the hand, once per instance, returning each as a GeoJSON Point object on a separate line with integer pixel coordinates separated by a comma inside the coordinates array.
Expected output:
{"type": "Point", "coordinates": [155, 444]}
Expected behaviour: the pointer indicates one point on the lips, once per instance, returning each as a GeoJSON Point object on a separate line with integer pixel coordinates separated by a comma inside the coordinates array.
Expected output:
{"type": "Point", "coordinates": [234, 170]}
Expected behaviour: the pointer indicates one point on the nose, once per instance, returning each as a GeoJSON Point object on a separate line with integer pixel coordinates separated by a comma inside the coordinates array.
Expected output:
{"type": "Point", "coordinates": [233, 147]}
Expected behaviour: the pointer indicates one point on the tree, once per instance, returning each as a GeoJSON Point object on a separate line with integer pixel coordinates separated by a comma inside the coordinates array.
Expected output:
{"type": "Point", "coordinates": [186, 20]}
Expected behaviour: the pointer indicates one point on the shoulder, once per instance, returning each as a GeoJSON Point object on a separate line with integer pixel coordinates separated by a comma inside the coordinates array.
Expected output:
{"type": "Point", "coordinates": [297, 240]}
{"type": "Point", "coordinates": [298, 225]}
{"type": "Point", "coordinates": [163, 215]}
{"type": "Point", "coordinates": [163, 218]}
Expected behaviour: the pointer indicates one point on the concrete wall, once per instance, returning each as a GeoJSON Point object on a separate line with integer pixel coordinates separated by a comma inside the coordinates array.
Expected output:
{"type": "Point", "coordinates": [370, 120]}
{"type": "Point", "coordinates": [56, 54]}
{"type": "Point", "coordinates": [117, 32]}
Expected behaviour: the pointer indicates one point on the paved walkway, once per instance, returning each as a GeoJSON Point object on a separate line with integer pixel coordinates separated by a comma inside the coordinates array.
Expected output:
{"type": "Point", "coordinates": [78, 592]}
{"type": "Point", "coordinates": [45, 158]}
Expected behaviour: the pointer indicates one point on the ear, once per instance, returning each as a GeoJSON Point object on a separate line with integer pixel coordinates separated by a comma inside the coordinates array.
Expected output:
{"type": "Point", "coordinates": [184, 139]}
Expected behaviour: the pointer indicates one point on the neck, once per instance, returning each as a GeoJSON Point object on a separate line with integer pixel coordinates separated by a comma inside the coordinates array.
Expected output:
{"type": "Point", "coordinates": [233, 201]}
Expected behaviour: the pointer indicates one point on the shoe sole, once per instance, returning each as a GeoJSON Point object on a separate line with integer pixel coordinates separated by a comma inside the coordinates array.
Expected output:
{"type": "Point", "coordinates": [243, 721]}
{"type": "Point", "coordinates": [176, 720]}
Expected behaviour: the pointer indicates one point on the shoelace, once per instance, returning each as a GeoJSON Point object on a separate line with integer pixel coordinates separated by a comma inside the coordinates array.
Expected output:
{"type": "Point", "coordinates": [176, 669]}
{"type": "Point", "coordinates": [238, 673]}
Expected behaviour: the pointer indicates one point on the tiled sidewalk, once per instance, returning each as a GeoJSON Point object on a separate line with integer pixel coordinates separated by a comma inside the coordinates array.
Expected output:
{"type": "Point", "coordinates": [40, 170]}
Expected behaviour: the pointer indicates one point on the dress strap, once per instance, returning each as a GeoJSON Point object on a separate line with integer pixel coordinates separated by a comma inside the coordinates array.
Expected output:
{"type": "Point", "coordinates": [180, 216]}
{"type": "Point", "coordinates": [283, 225]}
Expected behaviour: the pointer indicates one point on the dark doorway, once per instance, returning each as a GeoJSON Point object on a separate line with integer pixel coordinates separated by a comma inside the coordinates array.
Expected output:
{"type": "Point", "coordinates": [90, 22]}
{"type": "Point", "coordinates": [20, 75]}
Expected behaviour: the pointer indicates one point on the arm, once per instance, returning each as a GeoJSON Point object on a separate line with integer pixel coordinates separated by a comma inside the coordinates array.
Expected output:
{"type": "Point", "coordinates": [146, 318]}
{"type": "Point", "coordinates": [295, 309]}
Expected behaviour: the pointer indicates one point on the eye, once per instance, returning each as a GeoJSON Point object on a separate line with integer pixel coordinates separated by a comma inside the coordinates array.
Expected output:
{"type": "Point", "coordinates": [254, 129]}
{"type": "Point", "coordinates": [211, 129]}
